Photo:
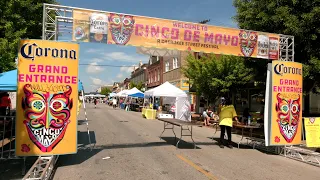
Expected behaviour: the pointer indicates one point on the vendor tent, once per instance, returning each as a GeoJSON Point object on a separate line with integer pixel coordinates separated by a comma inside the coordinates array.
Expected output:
{"type": "Point", "coordinates": [133, 91]}
{"type": "Point", "coordinates": [137, 95]}
{"type": "Point", "coordinates": [112, 94]}
{"type": "Point", "coordinates": [166, 90]}
{"type": "Point", "coordinates": [9, 81]}
{"type": "Point", "coordinates": [174, 96]}
{"type": "Point", "coordinates": [122, 93]}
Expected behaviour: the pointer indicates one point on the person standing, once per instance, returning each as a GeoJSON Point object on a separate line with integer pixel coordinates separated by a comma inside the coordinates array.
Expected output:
{"type": "Point", "coordinates": [5, 103]}
{"type": "Point", "coordinates": [226, 116]}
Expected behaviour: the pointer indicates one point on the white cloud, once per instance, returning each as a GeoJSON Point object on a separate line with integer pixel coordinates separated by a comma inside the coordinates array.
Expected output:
{"type": "Point", "coordinates": [97, 60]}
{"type": "Point", "coordinates": [97, 82]}
{"type": "Point", "coordinates": [120, 75]}
{"type": "Point", "coordinates": [93, 50]}
{"type": "Point", "coordinates": [93, 68]}
{"type": "Point", "coordinates": [121, 56]}
{"type": "Point", "coordinates": [127, 69]}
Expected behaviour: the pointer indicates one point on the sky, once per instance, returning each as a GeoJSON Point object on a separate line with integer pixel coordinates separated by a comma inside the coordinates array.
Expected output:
{"type": "Point", "coordinates": [220, 13]}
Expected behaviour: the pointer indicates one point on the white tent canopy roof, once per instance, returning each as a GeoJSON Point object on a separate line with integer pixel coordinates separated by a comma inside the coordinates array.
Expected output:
{"type": "Point", "coordinates": [166, 90]}
{"type": "Point", "coordinates": [122, 93]}
{"type": "Point", "coordinates": [133, 91]}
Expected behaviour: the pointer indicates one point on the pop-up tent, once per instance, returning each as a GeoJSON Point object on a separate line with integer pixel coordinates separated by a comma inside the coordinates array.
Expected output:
{"type": "Point", "coordinates": [133, 91]}
{"type": "Point", "coordinates": [122, 93]}
{"type": "Point", "coordinates": [137, 95]}
{"type": "Point", "coordinates": [9, 81]}
{"type": "Point", "coordinates": [175, 96]}
{"type": "Point", "coordinates": [166, 90]}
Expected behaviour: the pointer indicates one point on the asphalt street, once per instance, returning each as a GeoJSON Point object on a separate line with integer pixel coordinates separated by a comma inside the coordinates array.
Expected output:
{"type": "Point", "coordinates": [127, 146]}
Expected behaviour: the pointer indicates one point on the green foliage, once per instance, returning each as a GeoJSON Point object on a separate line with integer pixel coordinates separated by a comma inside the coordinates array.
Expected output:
{"type": "Point", "coordinates": [139, 86]}
{"type": "Point", "coordinates": [215, 77]}
{"type": "Point", "coordinates": [105, 91]}
{"type": "Point", "coordinates": [298, 18]}
{"type": "Point", "coordinates": [20, 19]}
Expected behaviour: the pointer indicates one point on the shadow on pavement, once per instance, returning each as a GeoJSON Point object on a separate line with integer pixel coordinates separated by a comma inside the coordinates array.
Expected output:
{"type": "Point", "coordinates": [12, 168]}
{"type": "Point", "coordinates": [82, 122]}
{"type": "Point", "coordinates": [235, 145]}
{"type": "Point", "coordinates": [83, 139]}
{"type": "Point", "coordinates": [182, 144]}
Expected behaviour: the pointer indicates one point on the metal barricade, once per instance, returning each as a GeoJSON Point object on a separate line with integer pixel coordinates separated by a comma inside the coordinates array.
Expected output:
{"type": "Point", "coordinates": [7, 140]}
{"type": "Point", "coordinates": [7, 137]}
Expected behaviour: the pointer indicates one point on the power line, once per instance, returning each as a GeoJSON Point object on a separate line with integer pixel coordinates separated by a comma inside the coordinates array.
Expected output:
{"type": "Point", "coordinates": [107, 65]}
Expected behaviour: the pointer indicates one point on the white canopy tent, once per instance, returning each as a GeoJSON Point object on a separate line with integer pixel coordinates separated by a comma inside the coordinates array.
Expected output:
{"type": "Point", "coordinates": [95, 95]}
{"type": "Point", "coordinates": [133, 91]}
{"type": "Point", "coordinates": [173, 95]}
{"type": "Point", "coordinates": [166, 90]}
{"type": "Point", "coordinates": [122, 93]}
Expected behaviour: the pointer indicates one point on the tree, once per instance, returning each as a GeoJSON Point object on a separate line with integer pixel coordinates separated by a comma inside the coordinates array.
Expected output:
{"type": "Point", "coordinates": [139, 86]}
{"type": "Point", "coordinates": [105, 91]}
{"type": "Point", "coordinates": [215, 76]}
{"type": "Point", "coordinates": [20, 19]}
{"type": "Point", "coordinates": [292, 17]}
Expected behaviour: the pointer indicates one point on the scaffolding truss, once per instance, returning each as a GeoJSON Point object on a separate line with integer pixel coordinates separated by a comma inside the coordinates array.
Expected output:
{"type": "Point", "coordinates": [57, 21]}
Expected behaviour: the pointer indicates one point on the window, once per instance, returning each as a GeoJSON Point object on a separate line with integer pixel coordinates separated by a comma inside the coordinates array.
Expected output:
{"type": "Point", "coordinates": [175, 63]}
{"type": "Point", "coordinates": [167, 66]}
{"type": "Point", "coordinates": [158, 74]}
{"type": "Point", "coordinates": [155, 76]}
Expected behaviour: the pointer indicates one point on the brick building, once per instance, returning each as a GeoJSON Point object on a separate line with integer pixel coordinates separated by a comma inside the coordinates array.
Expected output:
{"type": "Point", "coordinates": [155, 71]}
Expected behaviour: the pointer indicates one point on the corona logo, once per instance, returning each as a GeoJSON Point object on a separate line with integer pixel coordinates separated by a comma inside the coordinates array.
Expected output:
{"type": "Point", "coordinates": [31, 51]}
{"type": "Point", "coordinates": [281, 69]}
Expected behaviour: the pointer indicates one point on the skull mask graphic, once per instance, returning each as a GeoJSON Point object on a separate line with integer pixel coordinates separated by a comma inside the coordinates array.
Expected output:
{"type": "Point", "coordinates": [46, 116]}
{"type": "Point", "coordinates": [288, 116]}
{"type": "Point", "coordinates": [248, 42]}
{"type": "Point", "coordinates": [121, 28]}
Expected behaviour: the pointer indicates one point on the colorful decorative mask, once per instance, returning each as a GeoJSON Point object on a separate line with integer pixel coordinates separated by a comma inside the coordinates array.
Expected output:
{"type": "Point", "coordinates": [248, 42]}
{"type": "Point", "coordinates": [288, 116]}
{"type": "Point", "coordinates": [46, 116]}
{"type": "Point", "coordinates": [121, 27]}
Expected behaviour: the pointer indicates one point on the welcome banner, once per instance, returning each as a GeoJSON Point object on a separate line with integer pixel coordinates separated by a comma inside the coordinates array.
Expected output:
{"type": "Point", "coordinates": [122, 29]}
{"type": "Point", "coordinates": [312, 129]}
{"type": "Point", "coordinates": [47, 97]}
{"type": "Point", "coordinates": [286, 103]}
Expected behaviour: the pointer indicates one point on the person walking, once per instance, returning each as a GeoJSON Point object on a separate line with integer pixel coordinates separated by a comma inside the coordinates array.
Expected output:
{"type": "Point", "coordinates": [95, 101]}
{"type": "Point", "coordinates": [114, 103]}
{"type": "Point", "coordinates": [226, 116]}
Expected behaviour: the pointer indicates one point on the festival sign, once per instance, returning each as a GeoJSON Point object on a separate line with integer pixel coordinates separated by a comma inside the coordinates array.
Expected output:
{"type": "Point", "coordinates": [149, 32]}
{"type": "Point", "coordinates": [47, 97]}
{"type": "Point", "coordinates": [286, 104]}
{"type": "Point", "coordinates": [312, 129]}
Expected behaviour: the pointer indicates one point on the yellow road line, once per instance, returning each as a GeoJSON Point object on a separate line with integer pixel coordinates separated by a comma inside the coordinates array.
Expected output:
{"type": "Point", "coordinates": [209, 175]}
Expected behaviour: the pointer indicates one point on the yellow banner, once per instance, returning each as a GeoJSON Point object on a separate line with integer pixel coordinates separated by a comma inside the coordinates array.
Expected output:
{"type": "Point", "coordinates": [286, 107]}
{"type": "Point", "coordinates": [169, 34]}
{"type": "Point", "coordinates": [47, 98]}
{"type": "Point", "coordinates": [312, 129]}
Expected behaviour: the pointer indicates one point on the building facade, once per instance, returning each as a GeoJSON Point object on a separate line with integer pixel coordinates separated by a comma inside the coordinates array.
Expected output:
{"type": "Point", "coordinates": [139, 75]}
{"type": "Point", "coordinates": [155, 72]}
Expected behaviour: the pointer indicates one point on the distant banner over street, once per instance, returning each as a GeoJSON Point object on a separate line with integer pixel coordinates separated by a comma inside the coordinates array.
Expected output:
{"type": "Point", "coordinates": [121, 29]}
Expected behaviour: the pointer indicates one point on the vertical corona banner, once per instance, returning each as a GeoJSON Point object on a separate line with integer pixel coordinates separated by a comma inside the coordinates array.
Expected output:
{"type": "Point", "coordinates": [286, 103]}
{"type": "Point", "coordinates": [47, 98]}
{"type": "Point", "coordinates": [312, 129]}
{"type": "Point", "coordinates": [122, 29]}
